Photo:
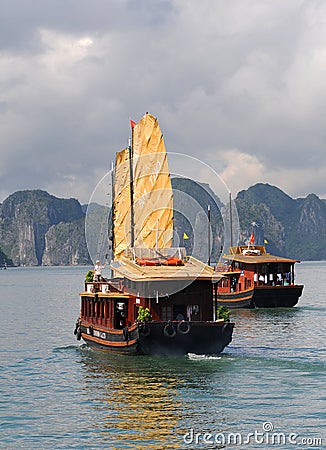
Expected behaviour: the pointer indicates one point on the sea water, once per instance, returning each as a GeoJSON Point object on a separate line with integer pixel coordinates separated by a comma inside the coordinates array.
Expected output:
{"type": "Point", "coordinates": [267, 389]}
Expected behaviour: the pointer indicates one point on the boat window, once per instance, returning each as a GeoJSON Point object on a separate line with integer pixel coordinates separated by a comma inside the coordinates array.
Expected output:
{"type": "Point", "coordinates": [233, 283]}
{"type": "Point", "coordinates": [179, 312]}
{"type": "Point", "coordinates": [247, 284]}
{"type": "Point", "coordinates": [120, 314]}
{"type": "Point", "coordinates": [167, 313]}
{"type": "Point", "coordinates": [83, 303]}
{"type": "Point", "coordinates": [193, 312]}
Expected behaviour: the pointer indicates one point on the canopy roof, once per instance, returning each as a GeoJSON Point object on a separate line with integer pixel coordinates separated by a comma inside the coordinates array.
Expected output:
{"type": "Point", "coordinates": [193, 269]}
{"type": "Point", "coordinates": [236, 254]}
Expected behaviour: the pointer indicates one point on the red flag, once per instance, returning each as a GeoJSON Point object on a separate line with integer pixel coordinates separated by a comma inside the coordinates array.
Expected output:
{"type": "Point", "coordinates": [132, 123]}
{"type": "Point", "coordinates": [252, 238]}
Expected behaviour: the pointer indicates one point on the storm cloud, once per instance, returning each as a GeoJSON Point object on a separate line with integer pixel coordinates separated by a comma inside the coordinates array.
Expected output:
{"type": "Point", "coordinates": [239, 84]}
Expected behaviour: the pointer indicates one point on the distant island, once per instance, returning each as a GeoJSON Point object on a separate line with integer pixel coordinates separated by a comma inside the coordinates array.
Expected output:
{"type": "Point", "coordinates": [37, 228]}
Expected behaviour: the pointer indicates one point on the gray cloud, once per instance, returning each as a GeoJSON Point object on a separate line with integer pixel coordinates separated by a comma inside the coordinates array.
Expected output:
{"type": "Point", "coordinates": [238, 84]}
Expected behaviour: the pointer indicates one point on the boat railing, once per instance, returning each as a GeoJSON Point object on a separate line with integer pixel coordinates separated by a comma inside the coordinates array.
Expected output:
{"type": "Point", "coordinates": [255, 249]}
{"type": "Point", "coordinates": [104, 286]}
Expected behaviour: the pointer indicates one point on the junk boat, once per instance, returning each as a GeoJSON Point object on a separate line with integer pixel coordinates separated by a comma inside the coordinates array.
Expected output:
{"type": "Point", "coordinates": [257, 279]}
{"type": "Point", "coordinates": [158, 300]}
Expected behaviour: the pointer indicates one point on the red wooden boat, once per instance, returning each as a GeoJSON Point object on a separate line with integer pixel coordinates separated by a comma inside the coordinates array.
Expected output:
{"type": "Point", "coordinates": [257, 279]}
{"type": "Point", "coordinates": [148, 274]}
{"type": "Point", "coordinates": [180, 302]}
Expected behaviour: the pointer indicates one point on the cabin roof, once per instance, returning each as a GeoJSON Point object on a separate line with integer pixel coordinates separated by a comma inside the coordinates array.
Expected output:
{"type": "Point", "coordinates": [114, 295]}
{"type": "Point", "coordinates": [259, 259]}
{"type": "Point", "coordinates": [193, 269]}
{"type": "Point", "coordinates": [236, 254]}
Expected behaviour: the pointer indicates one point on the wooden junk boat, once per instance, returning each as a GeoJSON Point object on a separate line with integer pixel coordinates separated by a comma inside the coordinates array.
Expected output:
{"type": "Point", "coordinates": [158, 301]}
{"type": "Point", "coordinates": [257, 279]}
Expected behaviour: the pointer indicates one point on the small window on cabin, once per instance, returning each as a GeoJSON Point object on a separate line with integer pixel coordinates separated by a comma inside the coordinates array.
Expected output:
{"type": "Point", "coordinates": [264, 269]}
{"type": "Point", "coordinates": [96, 309]}
{"type": "Point", "coordinates": [167, 313]}
{"type": "Point", "coordinates": [195, 310]}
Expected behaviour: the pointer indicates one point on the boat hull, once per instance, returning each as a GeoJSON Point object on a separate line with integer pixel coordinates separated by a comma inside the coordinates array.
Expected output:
{"type": "Point", "coordinates": [160, 338]}
{"type": "Point", "coordinates": [233, 300]}
{"type": "Point", "coordinates": [262, 297]}
{"type": "Point", "coordinates": [197, 337]}
{"type": "Point", "coordinates": [276, 296]}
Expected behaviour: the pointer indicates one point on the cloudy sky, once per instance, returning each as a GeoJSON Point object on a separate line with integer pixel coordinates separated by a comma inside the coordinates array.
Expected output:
{"type": "Point", "coordinates": [239, 84]}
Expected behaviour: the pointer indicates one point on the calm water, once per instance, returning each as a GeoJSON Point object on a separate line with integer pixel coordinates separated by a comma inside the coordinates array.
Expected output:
{"type": "Point", "coordinates": [56, 393]}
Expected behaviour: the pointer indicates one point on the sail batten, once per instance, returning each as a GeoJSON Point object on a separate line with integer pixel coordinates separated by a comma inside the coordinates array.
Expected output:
{"type": "Point", "coordinates": [152, 191]}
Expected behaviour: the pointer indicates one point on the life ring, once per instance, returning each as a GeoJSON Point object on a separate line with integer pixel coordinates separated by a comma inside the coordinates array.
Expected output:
{"type": "Point", "coordinates": [169, 330]}
{"type": "Point", "coordinates": [78, 334]}
{"type": "Point", "coordinates": [145, 329]}
{"type": "Point", "coordinates": [183, 327]}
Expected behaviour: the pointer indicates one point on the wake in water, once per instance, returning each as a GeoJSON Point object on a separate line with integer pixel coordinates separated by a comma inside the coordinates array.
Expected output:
{"type": "Point", "coordinates": [195, 357]}
{"type": "Point", "coordinates": [80, 346]}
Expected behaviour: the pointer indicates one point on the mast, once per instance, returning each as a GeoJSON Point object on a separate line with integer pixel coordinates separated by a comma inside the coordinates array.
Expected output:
{"type": "Point", "coordinates": [132, 213]}
{"type": "Point", "coordinates": [112, 209]}
{"type": "Point", "coordinates": [157, 230]}
{"type": "Point", "coordinates": [231, 225]}
{"type": "Point", "coordinates": [209, 234]}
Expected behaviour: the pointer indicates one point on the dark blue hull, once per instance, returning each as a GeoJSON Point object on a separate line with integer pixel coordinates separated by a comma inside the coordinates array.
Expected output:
{"type": "Point", "coordinates": [160, 338]}
{"type": "Point", "coordinates": [262, 297]}
{"type": "Point", "coordinates": [277, 296]}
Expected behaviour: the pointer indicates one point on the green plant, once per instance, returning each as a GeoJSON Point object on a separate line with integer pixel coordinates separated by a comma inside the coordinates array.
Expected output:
{"type": "Point", "coordinates": [89, 276]}
{"type": "Point", "coordinates": [144, 315]}
{"type": "Point", "coordinates": [223, 313]}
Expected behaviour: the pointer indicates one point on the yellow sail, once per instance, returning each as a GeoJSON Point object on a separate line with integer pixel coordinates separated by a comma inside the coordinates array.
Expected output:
{"type": "Point", "coordinates": [121, 205]}
{"type": "Point", "coordinates": [152, 191]}
{"type": "Point", "coordinates": [153, 199]}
